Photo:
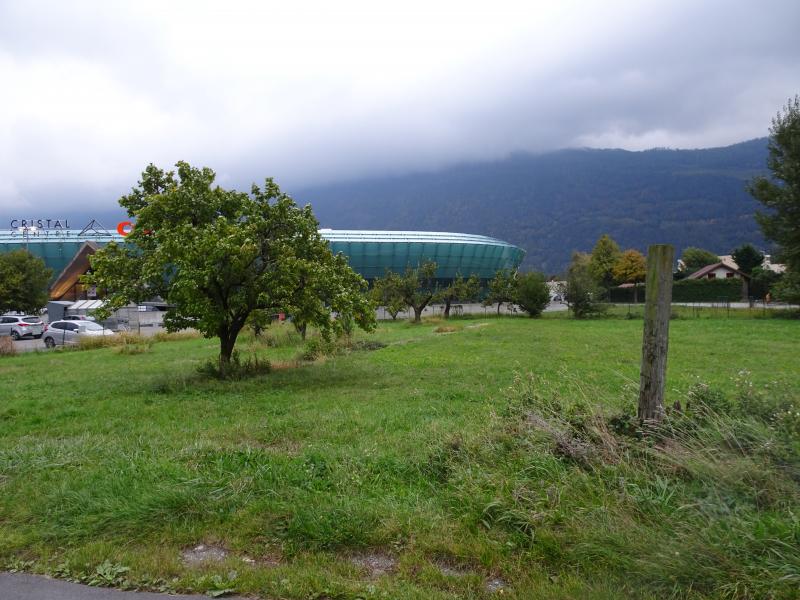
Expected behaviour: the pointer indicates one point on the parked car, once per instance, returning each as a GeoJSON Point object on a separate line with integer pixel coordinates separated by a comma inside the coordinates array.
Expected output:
{"type": "Point", "coordinates": [65, 333]}
{"type": "Point", "coordinates": [19, 327]}
{"type": "Point", "coordinates": [77, 318]}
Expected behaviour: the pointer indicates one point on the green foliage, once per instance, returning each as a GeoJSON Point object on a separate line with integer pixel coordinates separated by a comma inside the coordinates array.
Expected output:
{"type": "Point", "coordinates": [780, 194]}
{"type": "Point", "coordinates": [502, 289]}
{"type": "Point", "coordinates": [459, 290]}
{"type": "Point", "coordinates": [788, 288]}
{"type": "Point", "coordinates": [605, 255]}
{"type": "Point", "coordinates": [747, 258]}
{"type": "Point", "coordinates": [385, 293]}
{"type": "Point", "coordinates": [532, 294]}
{"type": "Point", "coordinates": [695, 259]}
{"type": "Point", "coordinates": [216, 256]}
{"type": "Point", "coordinates": [707, 290]}
{"type": "Point", "coordinates": [416, 288]}
{"type": "Point", "coordinates": [762, 281]}
{"type": "Point", "coordinates": [582, 293]}
{"type": "Point", "coordinates": [23, 282]}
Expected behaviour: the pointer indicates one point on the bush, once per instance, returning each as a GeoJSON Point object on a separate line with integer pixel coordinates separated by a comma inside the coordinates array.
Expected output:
{"type": "Point", "coordinates": [317, 348]}
{"type": "Point", "coordinates": [532, 294]}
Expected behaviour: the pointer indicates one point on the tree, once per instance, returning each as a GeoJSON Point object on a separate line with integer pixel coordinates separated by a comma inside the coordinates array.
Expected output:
{"type": "Point", "coordinates": [532, 294]}
{"type": "Point", "coordinates": [582, 291]}
{"type": "Point", "coordinates": [459, 290]}
{"type": "Point", "coordinates": [386, 294]}
{"type": "Point", "coordinates": [604, 256]}
{"type": "Point", "coordinates": [502, 289]}
{"type": "Point", "coordinates": [416, 287]}
{"type": "Point", "coordinates": [23, 282]}
{"type": "Point", "coordinates": [695, 259]}
{"type": "Point", "coordinates": [780, 194]}
{"type": "Point", "coordinates": [631, 268]}
{"type": "Point", "coordinates": [217, 255]}
{"type": "Point", "coordinates": [747, 258]}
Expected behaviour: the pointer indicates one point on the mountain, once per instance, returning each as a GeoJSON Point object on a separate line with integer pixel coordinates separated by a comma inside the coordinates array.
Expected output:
{"type": "Point", "coordinates": [552, 204]}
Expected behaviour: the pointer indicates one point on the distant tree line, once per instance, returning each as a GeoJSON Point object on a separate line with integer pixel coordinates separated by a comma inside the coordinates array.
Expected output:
{"type": "Point", "coordinates": [417, 288]}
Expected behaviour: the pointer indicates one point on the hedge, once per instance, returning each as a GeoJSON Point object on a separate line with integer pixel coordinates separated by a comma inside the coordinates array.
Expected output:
{"type": "Point", "coordinates": [690, 290]}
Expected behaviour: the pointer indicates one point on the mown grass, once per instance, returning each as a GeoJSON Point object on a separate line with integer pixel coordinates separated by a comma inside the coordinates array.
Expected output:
{"type": "Point", "coordinates": [494, 452]}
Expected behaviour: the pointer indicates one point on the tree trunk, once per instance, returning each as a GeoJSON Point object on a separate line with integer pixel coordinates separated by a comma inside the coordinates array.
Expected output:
{"type": "Point", "coordinates": [655, 340]}
{"type": "Point", "coordinates": [499, 304]}
{"type": "Point", "coordinates": [227, 342]}
{"type": "Point", "coordinates": [302, 329]}
{"type": "Point", "coordinates": [447, 308]}
{"type": "Point", "coordinates": [418, 313]}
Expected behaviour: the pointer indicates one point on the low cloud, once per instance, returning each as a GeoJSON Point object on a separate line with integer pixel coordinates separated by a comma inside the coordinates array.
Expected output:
{"type": "Point", "coordinates": [94, 91]}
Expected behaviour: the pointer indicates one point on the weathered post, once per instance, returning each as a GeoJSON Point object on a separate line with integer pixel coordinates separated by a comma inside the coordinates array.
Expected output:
{"type": "Point", "coordinates": [655, 340]}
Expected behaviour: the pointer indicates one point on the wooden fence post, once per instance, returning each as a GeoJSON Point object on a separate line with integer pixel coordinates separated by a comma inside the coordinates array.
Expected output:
{"type": "Point", "coordinates": [655, 340]}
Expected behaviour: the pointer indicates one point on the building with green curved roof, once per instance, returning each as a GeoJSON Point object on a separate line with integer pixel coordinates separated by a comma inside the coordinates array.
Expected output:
{"type": "Point", "coordinates": [370, 253]}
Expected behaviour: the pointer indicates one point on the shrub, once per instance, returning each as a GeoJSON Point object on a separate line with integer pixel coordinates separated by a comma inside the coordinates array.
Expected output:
{"type": "Point", "coordinates": [532, 294]}
{"type": "Point", "coordinates": [317, 348]}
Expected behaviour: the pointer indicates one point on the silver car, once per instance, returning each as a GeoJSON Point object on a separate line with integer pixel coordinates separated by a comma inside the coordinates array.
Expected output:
{"type": "Point", "coordinates": [66, 333]}
{"type": "Point", "coordinates": [20, 327]}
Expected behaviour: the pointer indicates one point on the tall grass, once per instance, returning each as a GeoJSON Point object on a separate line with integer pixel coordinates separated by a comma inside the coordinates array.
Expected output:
{"type": "Point", "coordinates": [706, 504]}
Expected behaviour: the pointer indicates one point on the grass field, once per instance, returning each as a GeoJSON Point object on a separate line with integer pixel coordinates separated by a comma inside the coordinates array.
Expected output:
{"type": "Point", "coordinates": [495, 460]}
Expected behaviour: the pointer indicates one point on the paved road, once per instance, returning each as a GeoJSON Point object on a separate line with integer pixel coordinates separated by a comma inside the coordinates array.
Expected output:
{"type": "Point", "coordinates": [19, 586]}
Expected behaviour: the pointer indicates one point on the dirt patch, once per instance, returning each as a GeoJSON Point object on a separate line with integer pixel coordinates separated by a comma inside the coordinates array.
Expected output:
{"type": "Point", "coordinates": [375, 563]}
{"type": "Point", "coordinates": [476, 325]}
{"type": "Point", "coordinates": [450, 568]}
{"type": "Point", "coordinates": [203, 553]}
{"type": "Point", "coordinates": [494, 585]}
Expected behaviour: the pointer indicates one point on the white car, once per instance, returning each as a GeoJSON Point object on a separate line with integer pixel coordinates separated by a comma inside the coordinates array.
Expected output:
{"type": "Point", "coordinates": [65, 333]}
{"type": "Point", "coordinates": [20, 327]}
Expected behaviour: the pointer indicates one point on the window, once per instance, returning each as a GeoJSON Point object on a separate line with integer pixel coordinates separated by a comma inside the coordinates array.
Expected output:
{"type": "Point", "coordinates": [729, 275]}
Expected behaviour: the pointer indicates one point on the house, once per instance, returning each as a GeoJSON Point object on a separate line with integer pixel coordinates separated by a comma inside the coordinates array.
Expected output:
{"type": "Point", "coordinates": [720, 270]}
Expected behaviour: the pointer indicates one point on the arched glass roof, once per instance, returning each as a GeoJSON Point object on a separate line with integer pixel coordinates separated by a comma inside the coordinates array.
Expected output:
{"type": "Point", "coordinates": [371, 253]}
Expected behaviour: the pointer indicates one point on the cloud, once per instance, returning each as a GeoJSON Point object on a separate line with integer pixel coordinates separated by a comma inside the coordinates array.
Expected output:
{"type": "Point", "coordinates": [317, 92]}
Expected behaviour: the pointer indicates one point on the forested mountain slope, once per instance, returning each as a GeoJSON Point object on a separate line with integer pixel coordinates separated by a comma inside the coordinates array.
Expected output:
{"type": "Point", "coordinates": [551, 204]}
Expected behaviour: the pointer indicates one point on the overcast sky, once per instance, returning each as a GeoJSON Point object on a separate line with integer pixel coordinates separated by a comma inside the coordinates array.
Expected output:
{"type": "Point", "coordinates": [311, 92]}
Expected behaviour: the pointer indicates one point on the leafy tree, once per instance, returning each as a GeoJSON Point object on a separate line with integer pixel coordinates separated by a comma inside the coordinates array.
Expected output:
{"type": "Point", "coordinates": [532, 294]}
{"type": "Point", "coordinates": [780, 194]}
{"type": "Point", "coordinates": [459, 290]}
{"type": "Point", "coordinates": [787, 289]}
{"type": "Point", "coordinates": [385, 293]}
{"type": "Point", "coordinates": [416, 287]}
{"type": "Point", "coordinates": [217, 255]}
{"type": "Point", "coordinates": [747, 258]}
{"type": "Point", "coordinates": [631, 268]}
{"type": "Point", "coordinates": [582, 291]}
{"type": "Point", "coordinates": [23, 282]}
{"type": "Point", "coordinates": [502, 289]}
{"type": "Point", "coordinates": [604, 256]}
{"type": "Point", "coordinates": [695, 259]}
{"type": "Point", "coordinates": [762, 282]}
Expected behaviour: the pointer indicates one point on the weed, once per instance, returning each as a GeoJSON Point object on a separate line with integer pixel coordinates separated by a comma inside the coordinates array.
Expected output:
{"type": "Point", "coordinates": [7, 346]}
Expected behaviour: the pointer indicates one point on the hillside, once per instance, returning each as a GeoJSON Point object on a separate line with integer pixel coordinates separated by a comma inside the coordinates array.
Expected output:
{"type": "Point", "coordinates": [552, 204]}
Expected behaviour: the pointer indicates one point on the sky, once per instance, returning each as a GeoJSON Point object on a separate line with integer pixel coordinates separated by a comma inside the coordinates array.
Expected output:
{"type": "Point", "coordinates": [318, 92]}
